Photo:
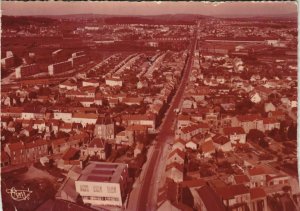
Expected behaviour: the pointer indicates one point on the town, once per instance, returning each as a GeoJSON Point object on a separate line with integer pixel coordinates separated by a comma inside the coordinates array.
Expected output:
{"type": "Point", "coordinates": [109, 113]}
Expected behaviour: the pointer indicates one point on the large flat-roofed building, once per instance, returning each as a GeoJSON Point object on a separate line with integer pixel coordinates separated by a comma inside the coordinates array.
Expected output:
{"type": "Point", "coordinates": [26, 70]}
{"type": "Point", "coordinates": [78, 60]}
{"type": "Point", "coordinates": [59, 67]}
{"type": "Point", "coordinates": [103, 184]}
{"type": "Point", "coordinates": [57, 55]}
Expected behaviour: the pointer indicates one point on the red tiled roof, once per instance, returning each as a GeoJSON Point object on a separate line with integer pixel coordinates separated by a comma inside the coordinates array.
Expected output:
{"type": "Point", "coordinates": [97, 142]}
{"type": "Point", "coordinates": [219, 139]}
{"type": "Point", "coordinates": [190, 128]}
{"type": "Point", "coordinates": [179, 140]}
{"type": "Point", "coordinates": [178, 152]}
{"type": "Point", "coordinates": [232, 190]}
{"type": "Point", "coordinates": [193, 183]}
{"type": "Point", "coordinates": [257, 193]}
{"type": "Point", "coordinates": [277, 113]}
{"type": "Point", "coordinates": [85, 116]}
{"type": "Point", "coordinates": [207, 146]}
{"type": "Point", "coordinates": [270, 121]}
{"type": "Point", "coordinates": [35, 143]}
{"type": "Point", "coordinates": [259, 170]}
{"type": "Point", "coordinates": [137, 127]}
{"type": "Point", "coordinates": [138, 117]}
{"type": "Point", "coordinates": [233, 130]}
{"type": "Point", "coordinates": [210, 199]}
{"type": "Point", "coordinates": [85, 99]}
{"type": "Point", "coordinates": [70, 153]}
{"type": "Point", "coordinates": [59, 141]}
{"type": "Point", "coordinates": [16, 146]}
{"type": "Point", "coordinates": [248, 117]}
{"type": "Point", "coordinates": [241, 179]}
{"type": "Point", "coordinates": [184, 117]}
{"type": "Point", "coordinates": [175, 165]}
{"type": "Point", "coordinates": [132, 100]}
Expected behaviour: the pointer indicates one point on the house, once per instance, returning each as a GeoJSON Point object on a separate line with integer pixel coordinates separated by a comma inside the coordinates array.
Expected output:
{"type": "Point", "coordinates": [191, 145]}
{"type": "Point", "coordinates": [258, 175]}
{"type": "Point", "coordinates": [125, 138]}
{"type": "Point", "coordinates": [90, 82]}
{"type": "Point", "coordinates": [84, 118]}
{"type": "Point", "coordinates": [141, 119]}
{"type": "Point", "coordinates": [114, 81]}
{"type": "Point", "coordinates": [104, 128]}
{"type": "Point", "coordinates": [222, 143]}
{"type": "Point", "coordinates": [206, 199]}
{"type": "Point", "coordinates": [68, 85]}
{"type": "Point", "coordinates": [72, 94]}
{"type": "Point", "coordinates": [289, 102]}
{"type": "Point", "coordinates": [59, 145]}
{"type": "Point", "coordinates": [269, 107]}
{"type": "Point", "coordinates": [96, 148]}
{"type": "Point", "coordinates": [64, 116]}
{"type": "Point", "coordinates": [183, 121]}
{"type": "Point", "coordinates": [142, 84]}
{"type": "Point", "coordinates": [240, 179]}
{"type": "Point", "coordinates": [140, 132]}
{"type": "Point", "coordinates": [255, 97]}
{"type": "Point", "coordinates": [248, 122]}
{"type": "Point", "coordinates": [36, 149]}
{"type": "Point", "coordinates": [78, 139]}
{"type": "Point", "coordinates": [174, 171]}
{"type": "Point", "coordinates": [176, 155]}
{"type": "Point", "coordinates": [71, 157]}
{"type": "Point", "coordinates": [279, 115]}
{"type": "Point", "coordinates": [179, 144]}
{"type": "Point", "coordinates": [65, 127]}
{"type": "Point", "coordinates": [208, 149]}
{"type": "Point", "coordinates": [258, 199]}
{"type": "Point", "coordinates": [132, 101]}
{"type": "Point", "coordinates": [85, 101]}
{"type": "Point", "coordinates": [270, 124]}
{"type": "Point", "coordinates": [35, 112]}
{"type": "Point", "coordinates": [16, 152]}
{"type": "Point", "coordinates": [188, 132]}
{"type": "Point", "coordinates": [187, 103]}
{"type": "Point", "coordinates": [98, 99]}
{"type": "Point", "coordinates": [21, 153]}
{"type": "Point", "coordinates": [234, 196]}
{"type": "Point", "coordinates": [235, 134]}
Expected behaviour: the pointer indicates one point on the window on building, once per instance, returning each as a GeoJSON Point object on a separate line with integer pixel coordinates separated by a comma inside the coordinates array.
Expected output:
{"type": "Point", "coordinates": [97, 189]}
{"type": "Point", "coordinates": [84, 188]}
{"type": "Point", "coordinates": [111, 189]}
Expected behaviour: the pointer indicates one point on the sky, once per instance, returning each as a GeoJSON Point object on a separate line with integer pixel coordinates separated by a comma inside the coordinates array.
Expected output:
{"type": "Point", "coordinates": [147, 8]}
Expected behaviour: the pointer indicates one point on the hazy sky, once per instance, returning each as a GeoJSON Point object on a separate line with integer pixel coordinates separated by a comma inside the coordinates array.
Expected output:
{"type": "Point", "coordinates": [147, 8]}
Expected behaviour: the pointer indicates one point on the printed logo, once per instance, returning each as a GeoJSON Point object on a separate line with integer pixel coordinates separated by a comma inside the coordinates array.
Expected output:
{"type": "Point", "coordinates": [19, 195]}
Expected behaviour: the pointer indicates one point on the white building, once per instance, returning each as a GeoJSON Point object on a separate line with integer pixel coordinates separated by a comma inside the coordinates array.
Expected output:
{"type": "Point", "coordinates": [59, 67]}
{"type": "Point", "coordinates": [103, 184]}
{"type": "Point", "coordinates": [84, 119]}
{"type": "Point", "coordinates": [115, 81]}
{"type": "Point", "coordinates": [26, 70]}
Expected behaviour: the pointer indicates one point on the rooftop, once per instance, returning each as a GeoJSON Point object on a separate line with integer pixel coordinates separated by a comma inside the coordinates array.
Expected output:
{"type": "Point", "coordinates": [103, 172]}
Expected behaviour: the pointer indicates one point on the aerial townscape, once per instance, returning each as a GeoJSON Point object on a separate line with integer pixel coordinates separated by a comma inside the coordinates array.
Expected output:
{"type": "Point", "coordinates": [169, 112]}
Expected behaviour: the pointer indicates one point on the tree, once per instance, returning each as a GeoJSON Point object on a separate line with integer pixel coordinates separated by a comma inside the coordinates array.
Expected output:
{"type": "Point", "coordinates": [263, 143]}
{"type": "Point", "coordinates": [292, 132]}
{"type": "Point", "coordinates": [255, 135]}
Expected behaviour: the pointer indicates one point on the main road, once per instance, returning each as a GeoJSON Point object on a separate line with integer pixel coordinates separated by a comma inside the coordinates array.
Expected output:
{"type": "Point", "coordinates": [166, 130]}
